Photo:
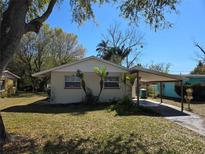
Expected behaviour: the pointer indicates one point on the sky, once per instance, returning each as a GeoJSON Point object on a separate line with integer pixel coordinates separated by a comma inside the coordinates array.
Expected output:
{"type": "Point", "coordinates": [173, 45]}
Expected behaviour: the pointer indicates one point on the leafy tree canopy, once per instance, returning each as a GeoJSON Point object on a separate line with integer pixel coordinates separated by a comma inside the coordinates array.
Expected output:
{"type": "Point", "coordinates": [153, 12]}
{"type": "Point", "coordinates": [199, 69]}
{"type": "Point", "coordinates": [47, 49]}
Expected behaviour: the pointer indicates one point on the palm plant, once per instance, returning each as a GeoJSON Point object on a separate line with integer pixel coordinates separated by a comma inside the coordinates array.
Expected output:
{"type": "Point", "coordinates": [80, 74]}
{"type": "Point", "coordinates": [102, 47]}
{"type": "Point", "coordinates": [131, 78]}
{"type": "Point", "coordinates": [124, 80]}
{"type": "Point", "coordinates": [115, 54]}
{"type": "Point", "coordinates": [102, 73]}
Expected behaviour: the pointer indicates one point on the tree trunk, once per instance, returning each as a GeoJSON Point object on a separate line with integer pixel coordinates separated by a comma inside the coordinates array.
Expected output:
{"type": "Point", "coordinates": [2, 134]}
{"type": "Point", "coordinates": [11, 32]}
{"type": "Point", "coordinates": [101, 88]}
{"type": "Point", "coordinates": [189, 108]}
{"type": "Point", "coordinates": [12, 29]}
{"type": "Point", "coordinates": [2, 127]}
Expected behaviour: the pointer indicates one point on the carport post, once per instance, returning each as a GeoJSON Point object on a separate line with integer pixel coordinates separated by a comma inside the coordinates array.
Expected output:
{"type": "Point", "coordinates": [182, 96]}
{"type": "Point", "coordinates": [161, 92]}
{"type": "Point", "coordinates": [138, 89]}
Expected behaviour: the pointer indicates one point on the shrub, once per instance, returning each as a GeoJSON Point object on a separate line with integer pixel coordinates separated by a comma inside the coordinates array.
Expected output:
{"type": "Point", "coordinates": [152, 92]}
{"type": "Point", "coordinates": [124, 106]}
{"type": "Point", "coordinates": [89, 98]}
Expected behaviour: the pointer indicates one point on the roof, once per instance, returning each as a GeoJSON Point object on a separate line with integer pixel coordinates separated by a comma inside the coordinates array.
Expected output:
{"type": "Point", "coordinates": [46, 72]}
{"type": "Point", "coordinates": [7, 73]}
{"type": "Point", "coordinates": [194, 75]}
{"type": "Point", "coordinates": [148, 75]}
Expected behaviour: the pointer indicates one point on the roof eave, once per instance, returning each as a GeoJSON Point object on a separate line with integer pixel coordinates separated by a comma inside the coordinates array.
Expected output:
{"type": "Point", "coordinates": [12, 74]}
{"type": "Point", "coordinates": [38, 74]}
{"type": "Point", "coordinates": [172, 77]}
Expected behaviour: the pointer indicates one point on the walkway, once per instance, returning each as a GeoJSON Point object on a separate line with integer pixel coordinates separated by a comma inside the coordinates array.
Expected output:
{"type": "Point", "coordinates": [186, 119]}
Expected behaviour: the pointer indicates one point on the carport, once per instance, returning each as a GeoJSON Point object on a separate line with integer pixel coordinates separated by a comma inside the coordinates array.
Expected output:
{"type": "Point", "coordinates": [149, 76]}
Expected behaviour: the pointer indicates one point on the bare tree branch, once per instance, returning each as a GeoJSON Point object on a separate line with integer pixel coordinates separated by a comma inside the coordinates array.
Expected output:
{"type": "Point", "coordinates": [118, 46]}
{"type": "Point", "coordinates": [129, 64]}
{"type": "Point", "coordinates": [200, 47]}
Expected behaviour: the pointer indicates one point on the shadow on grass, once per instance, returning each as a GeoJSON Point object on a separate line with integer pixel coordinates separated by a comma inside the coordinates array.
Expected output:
{"type": "Point", "coordinates": [166, 111]}
{"type": "Point", "coordinates": [20, 144]}
{"type": "Point", "coordinates": [79, 109]}
{"type": "Point", "coordinates": [113, 144]}
{"type": "Point", "coordinates": [148, 110]}
{"type": "Point", "coordinates": [162, 109]}
{"type": "Point", "coordinates": [74, 109]}
{"type": "Point", "coordinates": [136, 111]}
{"type": "Point", "coordinates": [41, 107]}
{"type": "Point", "coordinates": [132, 143]}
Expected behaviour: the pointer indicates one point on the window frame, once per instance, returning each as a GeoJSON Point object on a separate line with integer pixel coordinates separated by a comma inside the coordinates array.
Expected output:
{"type": "Point", "coordinates": [2, 86]}
{"type": "Point", "coordinates": [117, 81]}
{"type": "Point", "coordinates": [65, 87]}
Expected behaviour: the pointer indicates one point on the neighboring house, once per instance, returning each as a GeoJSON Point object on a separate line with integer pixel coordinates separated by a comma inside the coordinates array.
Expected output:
{"type": "Point", "coordinates": [66, 87]}
{"type": "Point", "coordinates": [195, 79]}
{"type": "Point", "coordinates": [8, 84]}
{"type": "Point", "coordinates": [169, 88]}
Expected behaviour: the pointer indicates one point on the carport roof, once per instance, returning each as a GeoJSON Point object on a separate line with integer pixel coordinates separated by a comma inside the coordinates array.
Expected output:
{"type": "Point", "coordinates": [147, 75]}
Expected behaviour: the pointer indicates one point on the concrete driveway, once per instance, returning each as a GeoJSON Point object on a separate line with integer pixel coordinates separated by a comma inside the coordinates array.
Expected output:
{"type": "Point", "coordinates": [186, 119]}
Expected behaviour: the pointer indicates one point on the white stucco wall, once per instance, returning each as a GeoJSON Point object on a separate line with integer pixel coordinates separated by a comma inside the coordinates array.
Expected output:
{"type": "Point", "coordinates": [134, 86]}
{"type": "Point", "coordinates": [60, 95]}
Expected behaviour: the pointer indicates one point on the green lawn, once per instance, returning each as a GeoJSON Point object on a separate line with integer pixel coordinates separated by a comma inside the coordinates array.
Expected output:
{"type": "Point", "coordinates": [38, 128]}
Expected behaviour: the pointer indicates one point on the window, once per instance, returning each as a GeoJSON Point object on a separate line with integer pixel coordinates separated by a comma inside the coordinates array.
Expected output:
{"type": "Point", "coordinates": [15, 83]}
{"type": "Point", "coordinates": [72, 82]}
{"type": "Point", "coordinates": [2, 84]}
{"type": "Point", "coordinates": [111, 82]}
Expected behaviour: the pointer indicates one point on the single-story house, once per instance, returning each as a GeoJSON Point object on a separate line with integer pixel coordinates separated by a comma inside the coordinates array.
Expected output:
{"type": "Point", "coordinates": [8, 83]}
{"type": "Point", "coordinates": [168, 89]}
{"type": "Point", "coordinates": [66, 86]}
